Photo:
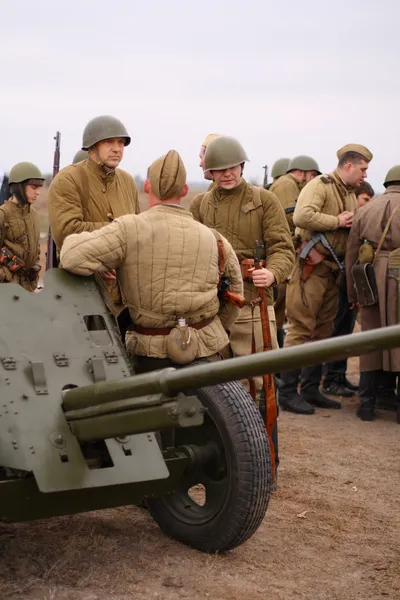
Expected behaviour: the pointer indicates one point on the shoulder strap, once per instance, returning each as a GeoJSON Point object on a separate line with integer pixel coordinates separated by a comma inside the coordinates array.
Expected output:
{"type": "Point", "coordinates": [385, 231]}
{"type": "Point", "coordinates": [221, 252]}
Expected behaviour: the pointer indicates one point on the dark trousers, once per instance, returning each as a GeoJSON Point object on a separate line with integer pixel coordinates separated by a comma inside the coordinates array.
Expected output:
{"type": "Point", "coordinates": [372, 383]}
{"type": "Point", "coordinates": [344, 325]}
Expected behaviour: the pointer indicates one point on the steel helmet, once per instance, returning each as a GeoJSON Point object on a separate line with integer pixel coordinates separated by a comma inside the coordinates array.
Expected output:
{"type": "Point", "coordinates": [224, 152]}
{"type": "Point", "coordinates": [104, 128]}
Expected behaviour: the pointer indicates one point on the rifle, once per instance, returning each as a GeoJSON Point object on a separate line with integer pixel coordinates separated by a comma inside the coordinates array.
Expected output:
{"type": "Point", "coordinates": [320, 238]}
{"type": "Point", "coordinates": [51, 254]}
{"type": "Point", "coordinates": [265, 182]}
{"type": "Point", "coordinates": [268, 380]}
{"type": "Point", "coordinates": [227, 295]}
{"type": "Point", "coordinates": [224, 293]}
{"type": "Point", "coordinates": [16, 265]}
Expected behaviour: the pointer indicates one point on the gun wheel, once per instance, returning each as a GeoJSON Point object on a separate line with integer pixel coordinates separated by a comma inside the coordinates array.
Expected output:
{"type": "Point", "coordinates": [222, 501]}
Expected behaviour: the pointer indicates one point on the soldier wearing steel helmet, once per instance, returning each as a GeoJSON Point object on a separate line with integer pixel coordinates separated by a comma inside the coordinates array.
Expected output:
{"type": "Point", "coordinates": [279, 168]}
{"type": "Point", "coordinates": [376, 228]}
{"type": "Point", "coordinates": [244, 214]}
{"type": "Point", "coordinates": [19, 228]}
{"type": "Point", "coordinates": [324, 211]}
{"type": "Point", "coordinates": [89, 194]}
{"type": "Point", "coordinates": [299, 171]}
{"type": "Point", "coordinates": [79, 156]}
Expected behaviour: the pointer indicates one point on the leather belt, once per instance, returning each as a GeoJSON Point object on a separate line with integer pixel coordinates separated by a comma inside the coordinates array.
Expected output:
{"type": "Point", "coordinates": [167, 330]}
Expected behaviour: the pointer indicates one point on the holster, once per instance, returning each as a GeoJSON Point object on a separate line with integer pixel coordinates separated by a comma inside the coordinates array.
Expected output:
{"type": "Point", "coordinates": [245, 265]}
{"type": "Point", "coordinates": [312, 259]}
{"type": "Point", "coordinates": [365, 284]}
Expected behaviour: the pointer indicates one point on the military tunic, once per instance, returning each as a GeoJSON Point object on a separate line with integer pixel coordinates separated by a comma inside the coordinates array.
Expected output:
{"type": "Point", "coordinates": [167, 268]}
{"type": "Point", "coordinates": [287, 190]}
{"type": "Point", "coordinates": [243, 215]}
{"type": "Point", "coordinates": [311, 305]}
{"type": "Point", "coordinates": [83, 197]}
{"type": "Point", "coordinates": [369, 223]}
{"type": "Point", "coordinates": [20, 233]}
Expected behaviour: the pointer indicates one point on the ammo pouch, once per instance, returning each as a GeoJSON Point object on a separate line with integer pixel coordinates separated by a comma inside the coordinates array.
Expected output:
{"type": "Point", "coordinates": [182, 344]}
{"type": "Point", "coordinates": [312, 259]}
{"type": "Point", "coordinates": [366, 253]}
{"type": "Point", "coordinates": [245, 265]}
{"type": "Point", "coordinates": [365, 284]}
{"type": "Point", "coordinates": [364, 274]}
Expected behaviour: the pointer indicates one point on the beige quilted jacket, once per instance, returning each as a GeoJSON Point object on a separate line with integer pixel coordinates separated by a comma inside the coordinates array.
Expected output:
{"type": "Point", "coordinates": [167, 268]}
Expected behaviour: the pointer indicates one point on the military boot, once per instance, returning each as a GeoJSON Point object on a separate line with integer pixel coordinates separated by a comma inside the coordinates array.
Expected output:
{"type": "Point", "coordinates": [366, 411]}
{"type": "Point", "coordinates": [386, 396]}
{"type": "Point", "coordinates": [310, 380]}
{"type": "Point", "coordinates": [367, 395]}
{"type": "Point", "coordinates": [289, 399]}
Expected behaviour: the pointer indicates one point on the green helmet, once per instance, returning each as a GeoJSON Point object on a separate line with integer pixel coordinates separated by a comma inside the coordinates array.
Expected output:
{"type": "Point", "coordinates": [392, 175]}
{"type": "Point", "coordinates": [79, 156]}
{"type": "Point", "coordinates": [104, 128]}
{"type": "Point", "coordinates": [224, 152]}
{"type": "Point", "coordinates": [303, 163]}
{"type": "Point", "coordinates": [280, 167]}
{"type": "Point", "coordinates": [23, 171]}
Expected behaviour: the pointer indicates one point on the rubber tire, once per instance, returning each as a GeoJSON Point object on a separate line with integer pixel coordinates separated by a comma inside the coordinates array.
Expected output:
{"type": "Point", "coordinates": [249, 473]}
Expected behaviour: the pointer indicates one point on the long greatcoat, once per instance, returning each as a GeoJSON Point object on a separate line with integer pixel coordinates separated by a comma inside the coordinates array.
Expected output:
{"type": "Point", "coordinates": [369, 223]}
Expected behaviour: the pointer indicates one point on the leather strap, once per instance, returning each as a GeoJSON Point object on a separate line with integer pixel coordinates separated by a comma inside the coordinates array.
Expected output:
{"type": "Point", "coordinates": [384, 234]}
{"type": "Point", "coordinates": [221, 258]}
{"type": "Point", "coordinates": [167, 330]}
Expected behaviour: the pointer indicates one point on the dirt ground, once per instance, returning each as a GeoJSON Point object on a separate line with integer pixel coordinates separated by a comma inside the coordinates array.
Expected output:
{"type": "Point", "coordinates": [332, 532]}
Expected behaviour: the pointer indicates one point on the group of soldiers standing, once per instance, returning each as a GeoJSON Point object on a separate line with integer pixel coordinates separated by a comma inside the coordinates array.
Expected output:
{"type": "Point", "coordinates": [166, 264]}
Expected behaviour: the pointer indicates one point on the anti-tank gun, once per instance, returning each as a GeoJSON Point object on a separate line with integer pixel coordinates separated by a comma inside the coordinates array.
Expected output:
{"type": "Point", "coordinates": [79, 432]}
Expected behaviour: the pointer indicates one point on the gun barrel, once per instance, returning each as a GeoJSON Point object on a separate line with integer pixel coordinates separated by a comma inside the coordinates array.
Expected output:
{"type": "Point", "coordinates": [104, 422]}
{"type": "Point", "coordinates": [172, 381]}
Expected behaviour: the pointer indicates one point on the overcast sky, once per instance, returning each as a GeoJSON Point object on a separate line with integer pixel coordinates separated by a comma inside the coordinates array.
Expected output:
{"type": "Point", "coordinates": [284, 77]}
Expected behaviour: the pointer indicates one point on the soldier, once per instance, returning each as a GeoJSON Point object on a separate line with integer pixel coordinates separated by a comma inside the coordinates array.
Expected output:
{"type": "Point", "coordinates": [88, 195]}
{"type": "Point", "coordinates": [168, 267]}
{"type": "Point", "coordinates": [323, 217]}
{"type": "Point", "coordinates": [376, 227]}
{"type": "Point", "coordinates": [287, 188]}
{"type": "Point", "coordinates": [335, 381]}
{"type": "Point", "coordinates": [364, 193]}
{"type": "Point", "coordinates": [279, 168]}
{"type": "Point", "coordinates": [244, 213]}
{"type": "Point", "coordinates": [203, 148]}
{"type": "Point", "coordinates": [19, 228]}
{"type": "Point", "coordinates": [79, 156]}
